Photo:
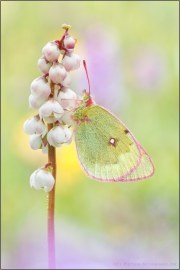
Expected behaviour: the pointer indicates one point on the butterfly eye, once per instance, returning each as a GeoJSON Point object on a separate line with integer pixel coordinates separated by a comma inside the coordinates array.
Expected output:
{"type": "Point", "coordinates": [85, 98]}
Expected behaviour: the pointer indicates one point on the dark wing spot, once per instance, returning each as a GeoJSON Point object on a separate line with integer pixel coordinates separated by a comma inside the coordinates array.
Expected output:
{"type": "Point", "coordinates": [126, 131]}
{"type": "Point", "coordinates": [113, 141]}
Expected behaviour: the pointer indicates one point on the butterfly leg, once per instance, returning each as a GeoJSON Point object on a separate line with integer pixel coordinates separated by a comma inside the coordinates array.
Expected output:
{"type": "Point", "coordinates": [74, 130]}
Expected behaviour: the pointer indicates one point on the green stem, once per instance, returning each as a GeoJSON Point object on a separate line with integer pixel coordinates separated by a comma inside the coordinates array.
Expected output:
{"type": "Point", "coordinates": [51, 206]}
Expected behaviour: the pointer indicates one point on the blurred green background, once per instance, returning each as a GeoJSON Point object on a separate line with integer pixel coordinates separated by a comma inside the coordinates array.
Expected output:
{"type": "Point", "coordinates": [131, 48]}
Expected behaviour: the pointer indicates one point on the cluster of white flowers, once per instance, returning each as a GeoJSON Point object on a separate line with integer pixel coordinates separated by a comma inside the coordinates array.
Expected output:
{"type": "Point", "coordinates": [51, 95]}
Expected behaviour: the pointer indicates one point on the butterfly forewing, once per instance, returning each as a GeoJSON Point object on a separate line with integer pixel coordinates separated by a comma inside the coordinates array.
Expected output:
{"type": "Point", "coordinates": [107, 150]}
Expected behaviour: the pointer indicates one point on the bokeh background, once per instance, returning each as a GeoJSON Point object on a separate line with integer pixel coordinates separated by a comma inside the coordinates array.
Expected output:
{"type": "Point", "coordinates": [132, 53]}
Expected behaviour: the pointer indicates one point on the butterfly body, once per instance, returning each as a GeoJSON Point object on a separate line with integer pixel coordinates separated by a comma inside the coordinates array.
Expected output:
{"type": "Point", "coordinates": [106, 149]}
{"type": "Point", "coordinates": [81, 111]}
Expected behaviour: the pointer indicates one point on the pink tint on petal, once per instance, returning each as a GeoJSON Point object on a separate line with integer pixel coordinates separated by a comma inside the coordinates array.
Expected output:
{"type": "Point", "coordinates": [69, 42]}
{"type": "Point", "coordinates": [44, 65]}
{"type": "Point", "coordinates": [66, 97]}
{"type": "Point", "coordinates": [68, 62]}
{"type": "Point", "coordinates": [36, 102]}
{"type": "Point", "coordinates": [51, 51]}
{"type": "Point", "coordinates": [57, 107]}
{"type": "Point", "coordinates": [57, 73]}
{"type": "Point", "coordinates": [71, 61]}
{"type": "Point", "coordinates": [67, 81]}
{"type": "Point", "coordinates": [45, 110]}
{"type": "Point", "coordinates": [40, 87]}
{"type": "Point", "coordinates": [56, 136]}
{"type": "Point", "coordinates": [46, 92]}
{"type": "Point", "coordinates": [35, 141]}
{"type": "Point", "coordinates": [67, 118]}
{"type": "Point", "coordinates": [64, 103]}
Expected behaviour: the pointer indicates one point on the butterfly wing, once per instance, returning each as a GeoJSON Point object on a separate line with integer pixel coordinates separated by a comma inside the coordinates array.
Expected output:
{"type": "Point", "coordinates": [107, 150]}
{"type": "Point", "coordinates": [144, 170]}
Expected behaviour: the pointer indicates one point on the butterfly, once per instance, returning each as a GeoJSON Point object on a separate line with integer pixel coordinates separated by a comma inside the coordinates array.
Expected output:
{"type": "Point", "coordinates": [105, 147]}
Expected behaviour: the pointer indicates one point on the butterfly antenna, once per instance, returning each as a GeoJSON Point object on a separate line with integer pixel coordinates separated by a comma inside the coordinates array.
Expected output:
{"type": "Point", "coordinates": [85, 67]}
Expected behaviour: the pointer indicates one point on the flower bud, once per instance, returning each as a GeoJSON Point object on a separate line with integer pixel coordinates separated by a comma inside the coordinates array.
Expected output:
{"type": "Point", "coordinates": [69, 43]}
{"type": "Point", "coordinates": [51, 51]}
{"type": "Point", "coordinates": [36, 102]}
{"type": "Point", "coordinates": [56, 136]}
{"type": "Point", "coordinates": [59, 135]}
{"type": "Point", "coordinates": [44, 65]}
{"type": "Point", "coordinates": [67, 81]}
{"type": "Point", "coordinates": [42, 178]}
{"type": "Point", "coordinates": [68, 135]}
{"type": "Point", "coordinates": [35, 125]}
{"type": "Point", "coordinates": [45, 148]}
{"type": "Point", "coordinates": [57, 73]}
{"type": "Point", "coordinates": [71, 61]}
{"type": "Point", "coordinates": [66, 97]}
{"type": "Point", "coordinates": [51, 108]}
{"type": "Point", "coordinates": [67, 118]}
{"type": "Point", "coordinates": [35, 141]}
{"type": "Point", "coordinates": [40, 87]}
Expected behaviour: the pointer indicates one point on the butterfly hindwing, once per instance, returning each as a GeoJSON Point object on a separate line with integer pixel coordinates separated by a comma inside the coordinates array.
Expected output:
{"type": "Point", "coordinates": [144, 170]}
{"type": "Point", "coordinates": [107, 150]}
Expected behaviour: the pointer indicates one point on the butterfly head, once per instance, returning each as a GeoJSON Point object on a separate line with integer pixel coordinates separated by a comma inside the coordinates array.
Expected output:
{"type": "Point", "coordinates": [87, 99]}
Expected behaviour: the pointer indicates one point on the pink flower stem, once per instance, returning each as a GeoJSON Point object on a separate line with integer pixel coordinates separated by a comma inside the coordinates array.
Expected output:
{"type": "Point", "coordinates": [51, 205]}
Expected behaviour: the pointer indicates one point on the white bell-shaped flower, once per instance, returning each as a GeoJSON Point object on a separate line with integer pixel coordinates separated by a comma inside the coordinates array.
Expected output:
{"type": "Point", "coordinates": [35, 125]}
{"type": "Point", "coordinates": [51, 51]}
{"type": "Point", "coordinates": [67, 118]}
{"type": "Point", "coordinates": [36, 102]}
{"type": "Point", "coordinates": [56, 136]}
{"type": "Point", "coordinates": [43, 65]}
{"type": "Point", "coordinates": [35, 141]}
{"type": "Point", "coordinates": [52, 109]}
{"type": "Point", "coordinates": [59, 135]}
{"type": "Point", "coordinates": [66, 97]}
{"type": "Point", "coordinates": [71, 61]}
{"type": "Point", "coordinates": [42, 178]}
{"type": "Point", "coordinates": [45, 148]}
{"type": "Point", "coordinates": [57, 73]}
{"type": "Point", "coordinates": [67, 81]}
{"type": "Point", "coordinates": [40, 87]}
{"type": "Point", "coordinates": [68, 135]}
{"type": "Point", "coordinates": [69, 43]}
